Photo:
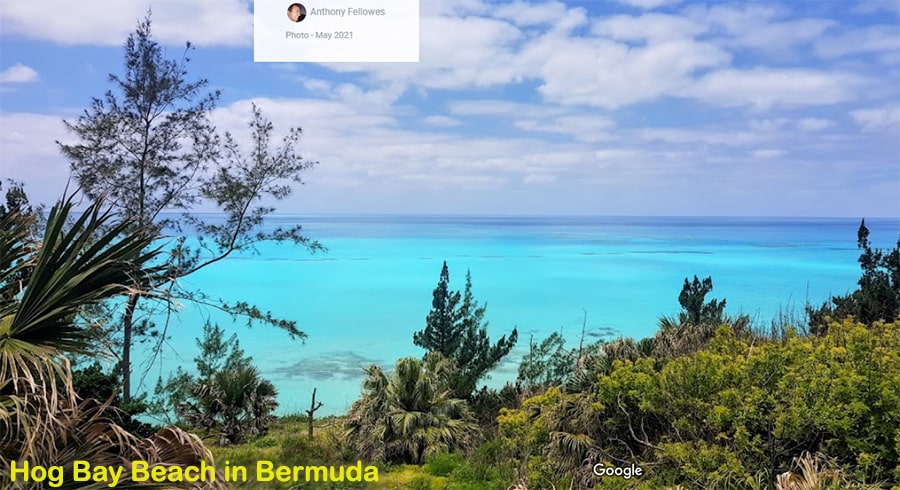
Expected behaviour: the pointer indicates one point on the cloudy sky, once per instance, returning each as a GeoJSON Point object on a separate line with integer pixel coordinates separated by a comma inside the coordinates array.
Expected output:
{"type": "Point", "coordinates": [626, 107]}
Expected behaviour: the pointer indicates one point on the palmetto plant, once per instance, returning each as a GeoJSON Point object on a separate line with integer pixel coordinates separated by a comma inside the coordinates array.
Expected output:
{"type": "Point", "coordinates": [75, 264]}
{"type": "Point", "coordinates": [817, 472]}
{"type": "Point", "coordinates": [233, 403]}
{"type": "Point", "coordinates": [408, 415]}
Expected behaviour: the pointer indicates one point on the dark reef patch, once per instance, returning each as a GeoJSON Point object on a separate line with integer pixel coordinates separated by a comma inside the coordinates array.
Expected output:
{"type": "Point", "coordinates": [336, 365]}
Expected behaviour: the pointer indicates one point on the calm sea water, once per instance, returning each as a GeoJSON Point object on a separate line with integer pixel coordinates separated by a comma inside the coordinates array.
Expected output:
{"type": "Point", "coordinates": [362, 299]}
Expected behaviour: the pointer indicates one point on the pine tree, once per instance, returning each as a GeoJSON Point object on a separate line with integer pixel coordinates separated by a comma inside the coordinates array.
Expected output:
{"type": "Point", "coordinates": [456, 329]}
{"type": "Point", "coordinates": [443, 328]}
{"type": "Point", "coordinates": [696, 311]}
{"type": "Point", "coordinates": [148, 147]}
{"type": "Point", "coordinates": [878, 295]}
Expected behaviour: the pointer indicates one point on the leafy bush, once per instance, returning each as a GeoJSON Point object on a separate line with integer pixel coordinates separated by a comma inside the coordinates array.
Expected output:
{"type": "Point", "coordinates": [93, 382]}
{"type": "Point", "coordinates": [228, 398]}
{"type": "Point", "coordinates": [486, 403]}
{"type": "Point", "coordinates": [409, 415]}
{"type": "Point", "coordinates": [79, 262]}
{"type": "Point", "coordinates": [733, 413]}
{"type": "Point", "coordinates": [442, 464]}
{"type": "Point", "coordinates": [421, 483]}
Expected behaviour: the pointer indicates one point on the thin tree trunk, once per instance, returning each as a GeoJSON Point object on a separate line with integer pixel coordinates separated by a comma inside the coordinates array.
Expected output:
{"type": "Point", "coordinates": [312, 409]}
{"type": "Point", "coordinates": [128, 324]}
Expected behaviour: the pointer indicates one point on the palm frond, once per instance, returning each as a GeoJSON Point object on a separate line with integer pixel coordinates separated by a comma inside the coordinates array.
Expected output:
{"type": "Point", "coordinates": [82, 264]}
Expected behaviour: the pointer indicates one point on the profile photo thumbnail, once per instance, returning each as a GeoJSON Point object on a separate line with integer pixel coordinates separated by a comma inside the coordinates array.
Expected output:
{"type": "Point", "coordinates": [296, 12]}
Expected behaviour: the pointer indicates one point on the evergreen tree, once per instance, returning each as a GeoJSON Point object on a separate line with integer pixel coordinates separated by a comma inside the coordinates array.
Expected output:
{"type": "Point", "coordinates": [228, 396]}
{"type": "Point", "coordinates": [878, 296]}
{"type": "Point", "coordinates": [696, 324]}
{"type": "Point", "coordinates": [456, 329]}
{"type": "Point", "coordinates": [547, 363]}
{"type": "Point", "coordinates": [443, 325]}
{"type": "Point", "coordinates": [879, 284]}
{"type": "Point", "coordinates": [16, 201]}
{"type": "Point", "coordinates": [17, 211]}
{"type": "Point", "coordinates": [696, 311]}
{"type": "Point", "coordinates": [148, 146]}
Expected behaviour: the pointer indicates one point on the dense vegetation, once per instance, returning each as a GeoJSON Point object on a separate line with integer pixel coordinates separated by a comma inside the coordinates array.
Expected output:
{"type": "Point", "coordinates": [148, 147]}
{"type": "Point", "coordinates": [878, 295]}
{"type": "Point", "coordinates": [709, 401]}
{"type": "Point", "coordinates": [74, 264]}
{"type": "Point", "coordinates": [731, 415]}
{"type": "Point", "coordinates": [735, 414]}
{"type": "Point", "coordinates": [227, 397]}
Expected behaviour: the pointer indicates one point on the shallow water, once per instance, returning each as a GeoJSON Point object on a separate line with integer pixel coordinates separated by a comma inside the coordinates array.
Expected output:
{"type": "Point", "coordinates": [361, 301]}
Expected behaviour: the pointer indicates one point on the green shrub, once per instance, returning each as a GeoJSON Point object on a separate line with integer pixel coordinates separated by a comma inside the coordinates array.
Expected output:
{"type": "Point", "coordinates": [483, 467]}
{"type": "Point", "coordinates": [295, 448]}
{"type": "Point", "coordinates": [420, 483]}
{"type": "Point", "coordinates": [442, 464]}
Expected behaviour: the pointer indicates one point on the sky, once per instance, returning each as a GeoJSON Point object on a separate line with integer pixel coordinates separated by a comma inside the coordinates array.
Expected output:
{"type": "Point", "coordinates": [605, 107]}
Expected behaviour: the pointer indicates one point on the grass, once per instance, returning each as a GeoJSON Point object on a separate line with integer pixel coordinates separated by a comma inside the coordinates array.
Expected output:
{"type": "Point", "coordinates": [288, 444]}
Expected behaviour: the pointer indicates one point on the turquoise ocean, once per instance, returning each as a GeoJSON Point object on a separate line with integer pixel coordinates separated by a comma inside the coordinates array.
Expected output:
{"type": "Point", "coordinates": [361, 300]}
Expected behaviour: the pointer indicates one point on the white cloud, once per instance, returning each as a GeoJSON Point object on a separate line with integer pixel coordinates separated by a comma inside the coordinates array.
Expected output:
{"type": "Point", "coordinates": [454, 53]}
{"type": "Point", "coordinates": [702, 136]}
{"type": "Point", "coordinates": [378, 99]}
{"type": "Point", "coordinates": [539, 179]}
{"type": "Point", "coordinates": [652, 26]}
{"type": "Point", "coordinates": [768, 153]}
{"type": "Point", "coordinates": [203, 22]}
{"type": "Point", "coordinates": [367, 151]}
{"type": "Point", "coordinates": [732, 19]}
{"type": "Point", "coordinates": [613, 75]}
{"type": "Point", "coordinates": [604, 70]}
{"type": "Point", "coordinates": [531, 14]}
{"type": "Point", "coordinates": [872, 39]}
{"type": "Point", "coordinates": [729, 16]}
{"type": "Point", "coordinates": [18, 73]}
{"type": "Point", "coordinates": [442, 121]}
{"type": "Point", "coordinates": [471, 52]}
{"type": "Point", "coordinates": [618, 154]}
{"type": "Point", "coordinates": [649, 4]}
{"type": "Point", "coordinates": [372, 148]}
{"type": "Point", "coordinates": [585, 128]}
{"type": "Point", "coordinates": [505, 108]}
{"type": "Point", "coordinates": [768, 125]}
{"type": "Point", "coordinates": [877, 6]}
{"type": "Point", "coordinates": [765, 88]}
{"type": "Point", "coordinates": [317, 85]}
{"type": "Point", "coordinates": [460, 8]}
{"type": "Point", "coordinates": [814, 124]}
{"type": "Point", "coordinates": [784, 124]}
{"type": "Point", "coordinates": [777, 36]}
{"type": "Point", "coordinates": [877, 118]}
{"type": "Point", "coordinates": [758, 26]}
{"type": "Point", "coordinates": [30, 155]}
{"type": "Point", "coordinates": [566, 64]}
{"type": "Point", "coordinates": [368, 160]}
